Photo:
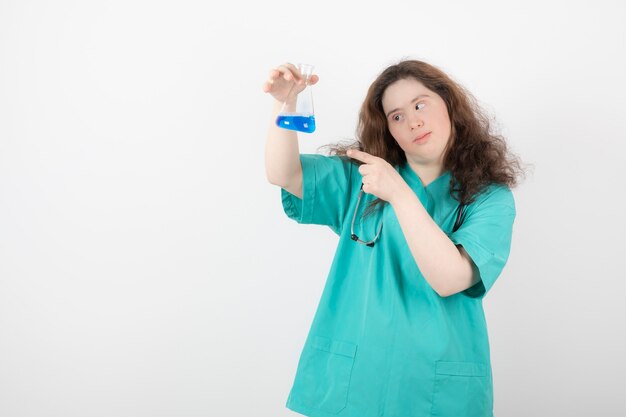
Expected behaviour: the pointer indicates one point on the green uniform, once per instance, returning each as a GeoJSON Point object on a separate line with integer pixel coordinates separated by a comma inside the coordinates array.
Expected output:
{"type": "Point", "coordinates": [383, 343]}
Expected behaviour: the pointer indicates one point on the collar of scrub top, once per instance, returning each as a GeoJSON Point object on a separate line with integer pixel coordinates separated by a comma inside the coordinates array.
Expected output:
{"type": "Point", "coordinates": [370, 243]}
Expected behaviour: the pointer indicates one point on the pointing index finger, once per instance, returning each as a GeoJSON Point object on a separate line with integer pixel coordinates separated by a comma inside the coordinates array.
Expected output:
{"type": "Point", "coordinates": [360, 156]}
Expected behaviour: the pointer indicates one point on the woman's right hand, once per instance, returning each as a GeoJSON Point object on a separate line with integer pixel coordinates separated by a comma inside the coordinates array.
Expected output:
{"type": "Point", "coordinates": [285, 82]}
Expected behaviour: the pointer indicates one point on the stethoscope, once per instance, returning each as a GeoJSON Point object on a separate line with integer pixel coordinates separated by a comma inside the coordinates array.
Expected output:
{"type": "Point", "coordinates": [370, 243]}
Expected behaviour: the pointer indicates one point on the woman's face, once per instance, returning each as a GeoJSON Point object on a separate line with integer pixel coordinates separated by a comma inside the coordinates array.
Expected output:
{"type": "Point", "coordinates": [418, 120]}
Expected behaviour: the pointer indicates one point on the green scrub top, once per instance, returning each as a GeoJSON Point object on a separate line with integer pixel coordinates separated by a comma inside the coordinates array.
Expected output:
{"type": "Point", "coordinates": [383, 343]}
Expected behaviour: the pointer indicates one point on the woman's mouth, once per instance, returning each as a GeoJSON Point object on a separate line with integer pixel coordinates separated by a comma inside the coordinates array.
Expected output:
{"type": "Point", "coordinates": [422, 138]}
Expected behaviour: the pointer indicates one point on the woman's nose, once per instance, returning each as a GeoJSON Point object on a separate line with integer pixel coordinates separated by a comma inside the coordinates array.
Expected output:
{"type": "Point", "coordinates": [415, 122]}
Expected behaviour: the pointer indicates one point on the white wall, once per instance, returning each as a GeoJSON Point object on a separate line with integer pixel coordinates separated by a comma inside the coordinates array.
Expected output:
{"type": "Point", "coordinates": [147, 267]}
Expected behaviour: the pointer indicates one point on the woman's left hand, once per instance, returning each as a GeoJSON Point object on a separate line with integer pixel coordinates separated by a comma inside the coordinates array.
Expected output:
{"type": "Point", "coordinates": [379, 177]}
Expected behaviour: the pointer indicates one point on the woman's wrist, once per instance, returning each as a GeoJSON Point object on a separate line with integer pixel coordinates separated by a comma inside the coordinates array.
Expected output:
{"type": "Point", "coordinates": [403, 195]}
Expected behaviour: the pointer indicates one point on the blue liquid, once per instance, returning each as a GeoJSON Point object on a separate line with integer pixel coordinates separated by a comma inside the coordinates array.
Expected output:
{"type": "Point", "coordinates": [304, 124]}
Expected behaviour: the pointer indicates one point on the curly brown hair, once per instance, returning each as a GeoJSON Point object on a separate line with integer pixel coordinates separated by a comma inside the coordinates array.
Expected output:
{"type": "Point", "coordinates": [475, 156]}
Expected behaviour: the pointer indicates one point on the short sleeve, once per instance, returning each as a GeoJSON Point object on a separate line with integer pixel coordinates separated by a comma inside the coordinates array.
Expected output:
{"type": "Point", "coordinates": [486, 233]}
{"type": "Point", "coordinates": [326, 190]}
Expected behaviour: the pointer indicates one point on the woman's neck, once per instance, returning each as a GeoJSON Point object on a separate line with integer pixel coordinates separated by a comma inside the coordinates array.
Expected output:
{"type": "Point", "coordinates": [426, 173]}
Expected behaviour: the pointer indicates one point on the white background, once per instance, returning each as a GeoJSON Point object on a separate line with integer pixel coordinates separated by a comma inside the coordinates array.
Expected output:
{"type": "Point", "coordinates": [146, 265]}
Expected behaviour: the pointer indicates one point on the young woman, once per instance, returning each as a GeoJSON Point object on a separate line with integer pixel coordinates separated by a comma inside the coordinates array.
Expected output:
{"type": "Point", "coordinates": [424, 212]}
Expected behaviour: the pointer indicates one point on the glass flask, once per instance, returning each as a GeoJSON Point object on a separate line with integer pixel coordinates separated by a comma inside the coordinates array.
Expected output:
{"type": "Point", "coordinates": [303, 118]}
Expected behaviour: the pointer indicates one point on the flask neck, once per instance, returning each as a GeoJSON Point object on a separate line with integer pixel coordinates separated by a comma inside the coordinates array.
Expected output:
{"type": "Point", "coordinates": [306, 70]}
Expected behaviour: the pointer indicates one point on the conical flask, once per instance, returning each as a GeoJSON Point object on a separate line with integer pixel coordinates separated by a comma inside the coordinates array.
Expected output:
{"type": "Point", "coordinates": [302, 118]}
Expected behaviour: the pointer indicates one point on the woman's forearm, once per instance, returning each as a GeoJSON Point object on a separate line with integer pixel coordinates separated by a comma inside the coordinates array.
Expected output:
{"type": "Point", "coordinates": [446, 267]}
{"type": "Point", "coordinates": [282, 156]}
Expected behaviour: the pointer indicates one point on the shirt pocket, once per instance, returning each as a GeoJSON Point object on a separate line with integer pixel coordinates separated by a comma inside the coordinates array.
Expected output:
{"type": "Point", "coordinates": [323, 377]}
{"type": "Point", "coordinates": [462, 389]}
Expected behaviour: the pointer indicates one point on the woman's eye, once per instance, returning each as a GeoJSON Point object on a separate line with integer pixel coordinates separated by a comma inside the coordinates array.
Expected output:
{"type": "Point", "coordinates": [419, 106]}
{"type": "Point", "coordinates": [397, 118]}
